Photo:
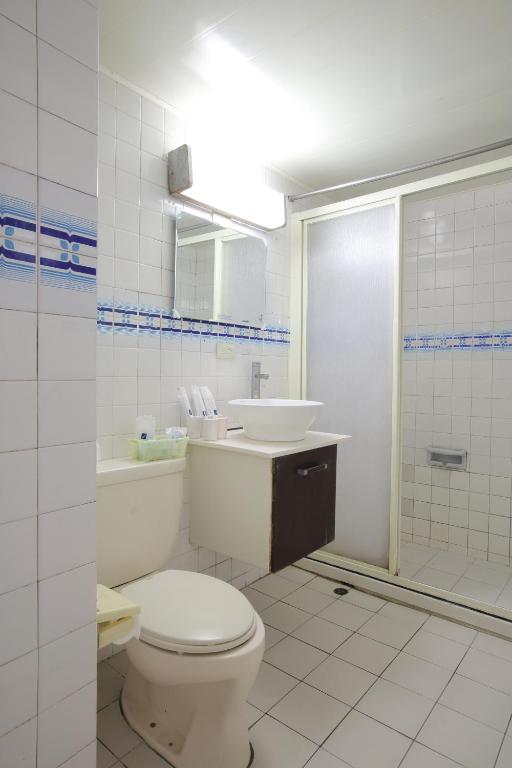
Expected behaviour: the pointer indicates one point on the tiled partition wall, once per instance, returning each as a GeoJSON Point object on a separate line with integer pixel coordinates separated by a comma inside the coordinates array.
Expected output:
{"type": "Point", "coordinates": [48, 159]}
{"type": "Point", "coordinates": [144, 353]}
{"type": "Point", "coordinates": [457, 368]}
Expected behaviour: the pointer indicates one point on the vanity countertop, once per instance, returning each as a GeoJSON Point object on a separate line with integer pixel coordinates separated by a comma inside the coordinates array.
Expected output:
{"type": "Point", "coordinates": [237, 441]}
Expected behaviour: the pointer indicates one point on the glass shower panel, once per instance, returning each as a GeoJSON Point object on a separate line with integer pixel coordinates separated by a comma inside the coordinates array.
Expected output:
{"type": "Point", "coordinates": [351, 262]}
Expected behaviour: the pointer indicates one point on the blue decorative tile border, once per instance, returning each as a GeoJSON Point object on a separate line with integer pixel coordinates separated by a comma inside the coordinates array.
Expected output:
{"type": "Point", "coordinates": [129, 319]}
{"type": "Point", "coordinates": [457, 340]}
{"type": "Point", "coordinates": [67, 246]}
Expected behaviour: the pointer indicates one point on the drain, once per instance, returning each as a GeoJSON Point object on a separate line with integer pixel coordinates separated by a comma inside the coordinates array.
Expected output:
{"type": "Point", "coordinates": [341, 591]}
{"type": "Point", "coordinates": [152, 725]}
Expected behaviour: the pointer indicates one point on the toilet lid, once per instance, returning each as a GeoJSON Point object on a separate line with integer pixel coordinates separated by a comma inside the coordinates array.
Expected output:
{"type": "Point", "coordinates": [191, 612]}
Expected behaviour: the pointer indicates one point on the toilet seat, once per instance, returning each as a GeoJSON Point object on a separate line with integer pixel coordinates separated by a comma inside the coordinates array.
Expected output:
{"type": "Point", "coordinates": [189, 612]}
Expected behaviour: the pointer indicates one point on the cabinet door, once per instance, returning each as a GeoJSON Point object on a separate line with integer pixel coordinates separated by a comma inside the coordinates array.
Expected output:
{"type": "Point", "coordinates": [303, 504]}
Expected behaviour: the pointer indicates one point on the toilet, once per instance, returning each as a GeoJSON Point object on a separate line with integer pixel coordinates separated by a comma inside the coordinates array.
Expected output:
{"type": "Point", "coordinates": [201, 642]}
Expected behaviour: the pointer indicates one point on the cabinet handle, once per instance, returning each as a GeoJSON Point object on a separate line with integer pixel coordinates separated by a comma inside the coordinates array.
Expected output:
{"type": "Point", "coordinates": [311, 470]}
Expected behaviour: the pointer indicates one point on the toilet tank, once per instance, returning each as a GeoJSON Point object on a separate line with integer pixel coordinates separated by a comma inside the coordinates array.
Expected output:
{"type": "Point", "coordinates": [138, 510]}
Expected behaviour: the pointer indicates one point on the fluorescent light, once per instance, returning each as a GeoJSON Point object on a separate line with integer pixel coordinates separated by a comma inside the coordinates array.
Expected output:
{"type": "Point", "coordinates": [228, 185]}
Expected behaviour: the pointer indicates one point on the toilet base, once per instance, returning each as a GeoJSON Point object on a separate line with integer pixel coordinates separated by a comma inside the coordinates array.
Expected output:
{"type": "Point", "coordinates": [158, 738]}
{"type": "Point", "coordinates": [191, 709]}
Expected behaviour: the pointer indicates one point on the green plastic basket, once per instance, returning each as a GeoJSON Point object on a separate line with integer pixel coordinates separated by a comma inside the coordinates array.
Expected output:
{"type": "Point", "coordinates": [159, 448]}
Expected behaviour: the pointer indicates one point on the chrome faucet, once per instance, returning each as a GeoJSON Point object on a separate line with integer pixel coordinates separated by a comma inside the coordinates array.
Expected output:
{"type": "Point", "coordinates": [256, 377]}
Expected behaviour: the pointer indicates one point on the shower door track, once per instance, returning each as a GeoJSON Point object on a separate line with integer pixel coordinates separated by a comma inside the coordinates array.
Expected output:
{"type": "Point", "coordinates": [385, 582]}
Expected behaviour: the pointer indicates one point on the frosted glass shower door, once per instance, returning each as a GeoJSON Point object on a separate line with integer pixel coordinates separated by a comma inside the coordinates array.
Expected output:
{"type": "Point", "coordinates": [351, 263]}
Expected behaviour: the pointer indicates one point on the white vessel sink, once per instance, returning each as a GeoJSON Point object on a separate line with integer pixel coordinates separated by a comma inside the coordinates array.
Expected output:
{"type": "Point", "coordinates": [274, 420]}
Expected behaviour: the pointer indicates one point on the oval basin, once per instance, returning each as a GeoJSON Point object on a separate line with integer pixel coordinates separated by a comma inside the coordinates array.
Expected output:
{"type": "Point", "coordinates": [274, 419]}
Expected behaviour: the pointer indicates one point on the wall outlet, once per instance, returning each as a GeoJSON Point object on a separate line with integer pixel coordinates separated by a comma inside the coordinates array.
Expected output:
{"type": "Point", "coordinates": [225, 351]}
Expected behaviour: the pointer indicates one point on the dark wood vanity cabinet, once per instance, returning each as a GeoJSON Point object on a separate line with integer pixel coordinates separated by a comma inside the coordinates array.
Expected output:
{"type": "Point", "coordinates": [263, 509]}
{"type": "Point", "coordinates": [303, 504]}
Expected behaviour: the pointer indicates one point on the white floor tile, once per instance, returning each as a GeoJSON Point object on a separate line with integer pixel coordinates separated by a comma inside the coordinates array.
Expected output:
{"type": "Point", "coordinates": [110, 683]}
{"type": "Point", "coordinates": [309, 600]}
{"type": "Point", "coordinates": [413, 553]}
{"type": "Point", "coordinates": [294, 657]}
{"type": "Point", "coordinates": [258, 600]}
{"type": "Point", "coordinates": [438, 650]}
{"type": "Point", "coordinates": [479, 702]}
{"type": "Point", "coordinates": [366, 653]}
{"type": "Point", "coordinates": [408, 570]}
{"type": "Point", "coordinates": [418, 675]}
{"type": "Point", "coordinates": [486, 593]}
{"type": "Point", "coordinates": [253, 714]}
{"type": "Point", "coordinates": [272, 636]}
{"type": "Point", "coordinates": [284, 617]}
{"type": "Point", "coordinates": [467, 742]}
{"type": "Point", "coordinates": [363, 600]}
{"type": "Point", "coordinates": [120, 662]}
{"type": "Point", "coordinates": [487, 669]}
{"type": "Point", "coordinates": [365, 743]}
{"type": "Point", "coordinates": [274, 586]}
{"type": "Point", "coordinates": [327, 586]}
{"type": "Point", "coordinates": [144, 757]}
{"type": "Point", "coordinates": [341, 680]}
{"type": "Point", "coordinates": [114, 732]}
{"type": "Point", "coordinates": [104, 758]}
{"type": "Point", "coordinates": [297, 575]}
{"type": "Point", "coordinates": [388, 631]}
{"type": "Point", "coordinates": [488, 575]}
{"type": "Point", "coordinates": [422, 757]}
{"type": "Point", "coordinates": [323, 759]}
{"type": "Point", "coordinates": [277, 746]}
{"type": "Point", "coordinates": [270, 686]}
{"type": "Point", "coordinates": [450, 562]}
{"type": "Point", "coordinates": [397, 707]}
{"type": "Point", "coordinates": [322, 634]}
{"type": "Point", "coordinates": [310, 712]}
{"type": "Point", "coordinates": [404, 614]}
{"type": "Point", "coordinates": [505, 756]}
{"type": "Point", "coordinates": [435, 578]}
{"type": "Point", "coordinates": [496, 646]}
{"type": "Point", "coordinates": [450, 629]}
{"type": "Point", "coordinates": [346, 615]}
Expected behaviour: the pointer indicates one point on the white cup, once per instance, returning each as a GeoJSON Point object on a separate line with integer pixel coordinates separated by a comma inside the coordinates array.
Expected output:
{"type": "Point", "coordinates": [222, 431]}
{"type": "Point", "coordinates": [194, 425]}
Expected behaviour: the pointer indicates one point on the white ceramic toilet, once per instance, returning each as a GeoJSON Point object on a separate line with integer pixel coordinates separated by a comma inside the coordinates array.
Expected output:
{"type": "Point", "coordinates": [201, 642]}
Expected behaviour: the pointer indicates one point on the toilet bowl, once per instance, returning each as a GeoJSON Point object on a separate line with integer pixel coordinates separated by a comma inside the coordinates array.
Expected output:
{"type": "Point", "coordinates": [201, 642]}
{"type": "Point", "coordinates": [191, 671]}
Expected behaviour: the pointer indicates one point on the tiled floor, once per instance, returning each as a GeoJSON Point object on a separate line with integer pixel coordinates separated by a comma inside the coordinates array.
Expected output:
{"type": "Point", "coordinates": [458, 573]}
{"type": "Point", "coordinates": [353, 682]}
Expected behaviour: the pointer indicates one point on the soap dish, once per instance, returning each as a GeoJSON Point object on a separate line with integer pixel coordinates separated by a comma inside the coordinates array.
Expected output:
{"type": "Point", "coordinates": [159, 448]}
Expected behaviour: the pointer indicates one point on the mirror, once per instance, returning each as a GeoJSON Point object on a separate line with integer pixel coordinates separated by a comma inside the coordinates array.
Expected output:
{"type": "Point", "coordinates": [220, 273]}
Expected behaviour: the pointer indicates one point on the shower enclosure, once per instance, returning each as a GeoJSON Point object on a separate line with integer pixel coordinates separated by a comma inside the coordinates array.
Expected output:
{"type": "Point", "coordinates": [403, 305]}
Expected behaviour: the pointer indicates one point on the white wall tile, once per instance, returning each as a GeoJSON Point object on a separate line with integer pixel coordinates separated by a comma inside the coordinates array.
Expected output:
{"type": "Point", "coordinates": [18, 747]}
{"type": "Point", "coordinates": [18, 691]}
{"type": "Point", "coordinates": [66, 665]}
{"type": "Point", "coordinates": [67, 347]}
{"type": "Point", "coordinates": [71, 26]}
{"type": "Point", "coordinates": [18, 554]}
{"type": "Point", "coordinates": [67, 476]}
{"type": "Point", "coordinates": [67, 728]}
{"type": "Point", "coordinates": [66, 602]}
{"type": "Point", "coordinates": [18, 485]}
{"type": "Point", "coordinates": [67, 153]}
{"type": "Point", "coordinates": [67, 88]}
{"type": "Point", "coordinates": [66, 412]}
{"type": "Point", "coordinates": [23, 12]}
{"type": "Point", "coordinates": [18, 340]}
{"type": "Point", "coordinates": [18, 619]}
{"type": "Point", "coordinates": [18, 409]}
{"type": "Point", "coordinates": [18, 134]}
{"type": "Point", "coordinates": [18, 47]}
{"type": "Point", "coordinates": [128, 101]}
{"type": "Point", "coordinates": [66, 539]}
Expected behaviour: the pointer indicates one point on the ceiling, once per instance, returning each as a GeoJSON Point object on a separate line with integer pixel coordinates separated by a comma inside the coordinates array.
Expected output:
{"type": "Point", "coordinates": [325, 91]}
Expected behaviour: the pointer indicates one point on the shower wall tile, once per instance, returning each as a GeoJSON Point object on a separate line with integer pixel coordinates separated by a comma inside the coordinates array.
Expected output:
{"type": "Point", "coordinates": [457, 369]}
